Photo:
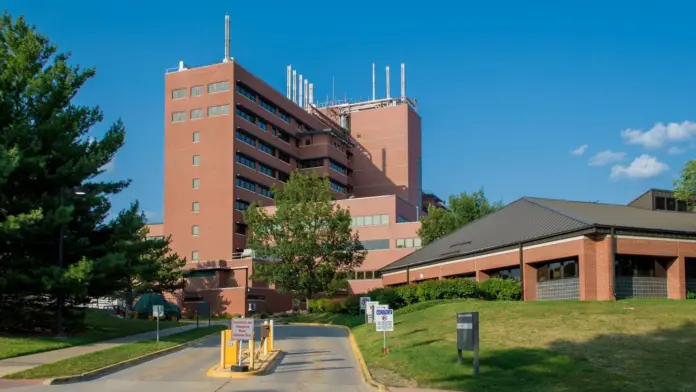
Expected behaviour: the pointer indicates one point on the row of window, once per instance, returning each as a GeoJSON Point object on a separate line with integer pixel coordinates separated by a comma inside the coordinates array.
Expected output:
{"type": "Point", "coordinates": [565, 269]}
{"type": "Point", "coordinates": [197, 91]}
{"type": "Point", "coordinates": [251, 186]}
{"type": "Point", "coordinates": [370, 220]}
{"type": "Point", "coordinates": [335, 166]}
{"type": "Point", "coordinates": [362, 275]}
{"type": "Point", "coordinates": [263, 124]}
{"type": "Point", "coordinates": [252, 163]}
{"type": "Point", "coordinates": [251, 140]}
{"type": "Point", "coordinates": [213, 111]}
{"type": "Point", "coordinates": [375, 244]}
{"type": "Point", "coordinates": [408, 242]}
{"type": "Point", "coordinates": [263, 102]}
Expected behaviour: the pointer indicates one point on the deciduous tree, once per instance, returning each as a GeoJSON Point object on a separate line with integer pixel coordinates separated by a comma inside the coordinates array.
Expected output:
{"type": "Point", "coordinates": [685, 186]}
{"type": "Point", "coordinates": [461, 209]}
{"type": "Point", "coordinates": [308, 238]}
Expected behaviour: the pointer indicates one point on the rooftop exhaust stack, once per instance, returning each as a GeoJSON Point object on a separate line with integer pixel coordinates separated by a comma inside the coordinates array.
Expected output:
{"type": "Point", "coordinates": [306, 94]}
{"type": "Point", "coordinates": [373, 81]}
{"type": "Point", "coordinates": [403, 80]}
{"type": "Point", "coordinates": [289, 82]}
{"type": "Point", "coordinates": [294, 86]}
{"type": "Point", "coordinates": [388, 94]}
{"type": "Point", "coordinates": [311, 94]}
{"type": "Point", "coordinates": [299, 103]}
{"type": "Point", "coordinates": [227, 38]}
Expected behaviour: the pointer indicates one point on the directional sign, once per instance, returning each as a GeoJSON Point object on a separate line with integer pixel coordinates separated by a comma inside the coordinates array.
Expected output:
{"type": "Point", "coordinates": [370, 311]}
{"type": "Point", "coordinates": [157, 310]}
{"type": "Point", "coordinates": [363, 302]}
{"type": "Point", "coordinates": [384, 320]}
{"type": "Point", "coordinates": [242, 329]}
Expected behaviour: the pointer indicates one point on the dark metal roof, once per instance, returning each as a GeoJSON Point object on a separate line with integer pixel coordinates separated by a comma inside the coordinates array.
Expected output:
{"type": "Point", "coordinates": [529, 219]}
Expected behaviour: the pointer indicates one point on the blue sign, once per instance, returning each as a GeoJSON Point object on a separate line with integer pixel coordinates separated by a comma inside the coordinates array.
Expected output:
{"type": "Point", "coordinates": [384, 312]}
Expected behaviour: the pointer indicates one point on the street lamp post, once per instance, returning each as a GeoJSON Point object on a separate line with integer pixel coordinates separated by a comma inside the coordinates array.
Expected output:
{"type": "Point", "coordinates": [60, 302]}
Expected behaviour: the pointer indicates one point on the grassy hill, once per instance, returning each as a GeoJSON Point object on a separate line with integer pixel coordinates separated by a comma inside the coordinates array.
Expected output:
{"type": "Point", "coordinates": [633, 345]}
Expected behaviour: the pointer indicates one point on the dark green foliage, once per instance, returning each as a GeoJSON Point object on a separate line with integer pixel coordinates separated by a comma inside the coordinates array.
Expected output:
{"type": "Point", "coordinates": [447, 289]}
{"type": "Point", "coordinates": [46, 150]}
{"type": "Point", "coordinates": [502, 289]}
{"type": "Point", "coordinates": [351, 305]}
{"type": "Point", "coordinates": [690, 295]}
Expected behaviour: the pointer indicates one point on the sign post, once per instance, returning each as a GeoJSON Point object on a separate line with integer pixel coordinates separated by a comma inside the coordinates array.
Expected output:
{"type": "Point", "coordinates": [363, 304]}
{"type": "Point", "coordinates": [384, 322]}
{"type": "Point", "coordinates": [370, 311]}
{"type": "Point", "coordinates": [242, 329]}
{"type": "Point", "coordinates": [158, 311]}
{"type": "Point", "coordinates": [468, 337]}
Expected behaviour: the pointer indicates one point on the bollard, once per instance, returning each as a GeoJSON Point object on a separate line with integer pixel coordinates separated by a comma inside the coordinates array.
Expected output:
{"type": "Point", "coordinates": [252, 347]}
{"type": "Point", "coordinates": [271, 338]}
{"type": "Point", "coordinates": [229, 350]}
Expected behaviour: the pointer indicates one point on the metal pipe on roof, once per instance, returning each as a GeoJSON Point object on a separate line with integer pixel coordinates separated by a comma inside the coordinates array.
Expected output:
{"type": "Point", "coordinates": [306, 93]}
{"type": "Point", "coordinates": [294, 85]}
{"type": "Point", "coordinates": [373, 82]}
{"type": "Point", "coordinates": [289, 83]}
{"type": "Point", "coordinates": [299, 102]}
{"type": "Point", "coordinates": [311, 93]}
{"type": "Point", "coordinates": [403, 80]}
{"type": "Point", "coordinates": [227, 38]}
{"type": "Point", "coordinates": [388, 95]}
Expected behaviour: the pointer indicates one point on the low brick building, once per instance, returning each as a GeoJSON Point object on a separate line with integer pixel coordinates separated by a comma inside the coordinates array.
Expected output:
{"type": "Point", "coordinates": [566, 250]}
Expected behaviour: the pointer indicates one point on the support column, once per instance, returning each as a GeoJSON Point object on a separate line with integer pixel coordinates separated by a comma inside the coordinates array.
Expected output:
{"type": "Point", "coordinates": [604, 261]}
{"type": "Point", "coordinates": [530, 282]}
{"type": "Point", "coordinates": [481, 276]}
{"type": "Point", "coordinates": [587, 268]}
{"type": "Point", "coordinates": [676, 278]}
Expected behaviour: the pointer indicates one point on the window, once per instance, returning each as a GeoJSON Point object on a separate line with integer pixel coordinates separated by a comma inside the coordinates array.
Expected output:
{"type": "Point", "coordinates": [202, 273]}
{"type": "Point", "coordinates": [266, 148]}
{"type": "Point", "coordinates": [240, 228]}
{"type": "Point", "coordinates": [246, 184]}
{"type": "Point", "coordinates": [245, 137]}
{"type": "Point", "coordinates": [371, 220]}
{"type": "Point", "coordinates": [671, 204]}
{"type": "Point", "coordinates": [506, 273]}
{"type": "Point", "coordinates": [284, 116]}
{"type": "Point", "coordinates": [265, 191]}
{"type": "Point", "coordinates": [310, 163]}
{"type": "Point", "coordinates": [660, 203]}
{"type": "Point", "coordinates": [284, 136]}
{"type": "Point", "coordinates": [408, 242]}
{"type": "Point", "coordinates": [196, 183]}
{"type": "Point", "coordinates": [401, 219]}
{"type": "Point", "coordinates": [217, 87]}
{"type": "Point", "coordinates": [241, 205]}
{"type": "Point", "coordinates": [681, 206]}
{"type": "Point", "coordinates": [196, 91]}
{"type": "Point", "coordinates": [640, 266]}
{"type": "Point", "coordinates": [282, 176]}
{"type": "Point", "coordinates": [196, 160]}
{"type": "Point", "coordinates": [195, 229]}
{"type": "Point", "coordinates": [195, 206]}
{"type": "Point", "coordinates": [256, 298]}
{"type": "Point", "coordinates": [267, 105]}
{"type": "Point", "coordinates": [337, 167]}
{"type": "Point", "coordinates": [262, 124]}
{"type": "Point", "coordinates": [337, 187]}
{"type": "Point", "coordinates": [245, 115]}
{"type": "Point", "coordinates": [196, 113]}
{"type": "Point", "coordinates": [246, 92]}
{"type": "Point", "coordinates": [376, 244]}
{"type": "Point", "coordinates": [246, 161]}
{"type": "Point", "coordinates": [178, 116]}
{"type": "Point", "coordinates": [179, 93]}
{"type": "Point", "coordinates": [283, 157]}
{"type": "Point", "coordinates": [563, 269]}
{"type": "Point", "coordinates": [218, 110]}
{"type": "Point", "coordinates": [194, 255]}
{"type": "Point", "coordinates": [196, 137]}
{"type": "Point", "coordinates": [266, 170]}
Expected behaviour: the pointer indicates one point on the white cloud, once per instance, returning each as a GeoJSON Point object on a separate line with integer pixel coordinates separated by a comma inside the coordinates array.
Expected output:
{"type": "Point", "coordinates": [579, 151]}
{"type": "Point", "coordinates": [645, 166]}
{"type": "Point", "coordinates": [660, 134]}
{"type": "Point", "coordinates": [151, 216]}
{"type": "Point", "coordinates": [675, 151]}
{"type": "Point", "coordinates": [606, 157]}
{"type": "Point", "coordinates": [110, 166]}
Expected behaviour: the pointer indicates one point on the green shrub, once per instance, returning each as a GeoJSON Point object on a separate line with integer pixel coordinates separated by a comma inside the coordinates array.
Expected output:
{"type": "Point", "coordinates": [334, 305]}
{"type": "Point", "coordinates": [317, 305]}
{"type": "Point", "coordinates": [387, 296]}
{"type": "Point", "coordinates": [446, 289]}
{"type": "Point", "coordinates": [690, 295]}
{"type": "Point", "coordinates": [351, 305]}
{"type": "Point", "coordinates": [501, 289]}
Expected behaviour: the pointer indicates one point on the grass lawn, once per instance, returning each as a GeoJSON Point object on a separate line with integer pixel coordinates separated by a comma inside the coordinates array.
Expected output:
{"type": "Point", "coordinates": [99, 326]}
{"type": "Point", "coordinates": [100, 359]}
{"type": "Point", "coordinates": [632, 345]}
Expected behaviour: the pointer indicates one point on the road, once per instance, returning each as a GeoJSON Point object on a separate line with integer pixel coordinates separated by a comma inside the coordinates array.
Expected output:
{"type": "Point", "coordinates": [315, 359]}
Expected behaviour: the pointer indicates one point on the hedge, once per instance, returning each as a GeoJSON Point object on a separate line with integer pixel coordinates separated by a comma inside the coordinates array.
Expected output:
{"type": "Point", "coordinates": [432, 290]}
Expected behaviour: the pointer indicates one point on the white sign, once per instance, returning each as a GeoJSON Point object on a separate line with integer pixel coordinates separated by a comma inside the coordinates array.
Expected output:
{"type": "Point", "coordinates": [384, 320]}
{"type": "Point", "coordinates": [381, 307]}
{"type": "Point", "coordinates": [242, 329]}
{"type": "Point", "coordinates": [363, 302]}
{"type": "Point", "coordinates": [157, 310]}
{"type": "Point", "coordinates": [465, 326]}
{"type": "Point", "coordinates": [370, 311]}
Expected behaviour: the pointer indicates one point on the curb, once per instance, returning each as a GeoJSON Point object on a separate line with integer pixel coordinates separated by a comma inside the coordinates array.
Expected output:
{"type": "Point", "coordinates": [367, 376]}
{"type": "Point", "coordinates": [94, 374]}
{"type": "Point", "coordinates": [269, 364]}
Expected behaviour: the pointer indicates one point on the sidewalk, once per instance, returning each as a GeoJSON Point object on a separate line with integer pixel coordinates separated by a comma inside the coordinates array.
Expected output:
{"type": "Point", "coordinates": [18, 364]}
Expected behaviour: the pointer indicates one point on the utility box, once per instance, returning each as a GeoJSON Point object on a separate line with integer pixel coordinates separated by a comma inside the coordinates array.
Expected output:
{"type": "Point", "coordinates": [467, 331]}
{"type": "Point", "coordinates": [265, 331]}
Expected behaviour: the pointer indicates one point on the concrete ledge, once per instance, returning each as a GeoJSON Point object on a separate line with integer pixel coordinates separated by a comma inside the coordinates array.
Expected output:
{"type": "Point", "coordinates": [266, 366]}
{"type": "Point", "coordinates": [367, 376]}
{"type": "Point", "coordinates": [94, 374]}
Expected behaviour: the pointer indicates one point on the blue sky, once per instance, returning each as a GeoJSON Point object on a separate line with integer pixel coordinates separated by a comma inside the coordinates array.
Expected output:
{"type": "Point", "coordinates": [509, 91]}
